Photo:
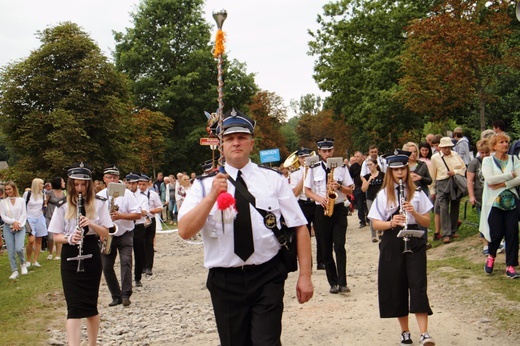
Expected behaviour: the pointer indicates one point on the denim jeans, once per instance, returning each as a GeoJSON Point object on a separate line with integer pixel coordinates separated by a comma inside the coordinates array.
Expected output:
{"type": "Point", "coordinates": [15, 245]}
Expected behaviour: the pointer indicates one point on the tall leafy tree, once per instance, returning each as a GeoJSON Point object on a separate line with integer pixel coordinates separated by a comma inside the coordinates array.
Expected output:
{"type": "Point", "coordinates": [313, 127]}
{"type": "Point", "coordinates": [64, 103]}
{"type": "Point", "coordinates": [455, 56]}
{"type": "Point", "coordinates": [357, 48]}
{"type": "Point", "coordinates": [269, 112]}
{"type": "Point", "coordinates": [167, 55]}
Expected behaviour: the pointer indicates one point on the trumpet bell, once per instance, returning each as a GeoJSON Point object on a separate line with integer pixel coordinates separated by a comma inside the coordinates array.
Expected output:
{"type": "Point", "coordinates": [292, 161]}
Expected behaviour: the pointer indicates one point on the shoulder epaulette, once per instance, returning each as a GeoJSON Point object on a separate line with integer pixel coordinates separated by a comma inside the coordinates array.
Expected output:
{"type": "Point", "coordinates": [201, 177]}
{"type": "Point", "coordinates": [271, 169]}
{"type": "Point", "coordinates": [101, 198]}
{"type": "Point", "coordinates": [315, 165]}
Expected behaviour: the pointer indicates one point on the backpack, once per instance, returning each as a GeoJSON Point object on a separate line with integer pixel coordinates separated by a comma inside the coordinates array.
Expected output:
{"type": "Point", "coordinates": [515, 148]}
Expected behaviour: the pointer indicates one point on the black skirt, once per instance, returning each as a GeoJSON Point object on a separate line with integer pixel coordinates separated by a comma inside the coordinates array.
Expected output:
{"type": "Point", "coordinates": [402, 283]}
{"type": "Point", "coordinates": [81, 289]}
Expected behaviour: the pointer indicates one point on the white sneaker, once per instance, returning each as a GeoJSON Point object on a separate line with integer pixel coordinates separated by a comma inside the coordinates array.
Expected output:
{"type": "Point", "coordinates": [24, 269]}
{"type": "Point", "coordinates": [27, 264]}
{"type": "Point", "coordinates": [426, 340]}
{"type": "Point", "coordinates": [14, 275]}
{"type": "Point", "coordinates": [57, 258]}
{"type": "Point", "coordinates": [36, 264]}
{"type": "Point", "coordinates": [49, 257]}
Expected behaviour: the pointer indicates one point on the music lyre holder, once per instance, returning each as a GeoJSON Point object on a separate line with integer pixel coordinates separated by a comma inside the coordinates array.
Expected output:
{"type": "Point", "coordinates": [407, 235]}
{"type": "Point", "coordinates": [80, 259]}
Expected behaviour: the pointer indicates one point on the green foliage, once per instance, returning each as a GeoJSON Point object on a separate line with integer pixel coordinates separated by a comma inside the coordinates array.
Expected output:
{"type": "Point", "coordinates": [167, 55]}
{"type": "Point", "coordinates": [64, 103]}
{"type": "Point", "coordinates": [357, 49]}
{"type": "Point", "coordinates": [454, 58]}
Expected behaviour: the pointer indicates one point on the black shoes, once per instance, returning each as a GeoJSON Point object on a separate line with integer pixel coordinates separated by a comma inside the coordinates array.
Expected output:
{"type": "Point", "coordinates": [138, 284]}
{"type": "Point", "coordinates": [148, 272]}
{"type": "Point", "coordinates": [126, 301]}
{"type": "Point", "coordinates": [321, 266]}
{"type": "Point", "coordinates": [344, 289]}
{"type": "Point", "coordinates": [115, 302]}
{"type": "Point", "coordinates": [334, 289]}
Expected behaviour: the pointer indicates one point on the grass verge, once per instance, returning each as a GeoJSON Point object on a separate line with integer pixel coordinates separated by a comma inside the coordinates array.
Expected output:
{"type": "Point", "coordinates": [460, 265]}
{"type": "Point", "coordinates": [30, 302]}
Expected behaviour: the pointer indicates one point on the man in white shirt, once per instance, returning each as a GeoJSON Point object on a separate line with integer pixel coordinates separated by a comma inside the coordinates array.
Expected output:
{"type": "Point", "coordinates": [127, 212]}
{"type": "Point", "coordinates": [154, 207]}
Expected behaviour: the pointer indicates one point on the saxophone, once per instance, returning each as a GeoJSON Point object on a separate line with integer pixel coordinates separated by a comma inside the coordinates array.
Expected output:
{"type": "Point", "coordinates": [106, 244]}
{"type": "Point", "coordinates": [331, 194]}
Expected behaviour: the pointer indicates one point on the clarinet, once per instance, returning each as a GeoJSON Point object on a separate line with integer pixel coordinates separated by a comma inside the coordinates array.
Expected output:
{"type": "Point", "coordinates": [406, 238]}
{"type": "Point", "coordinates": [80, 257]}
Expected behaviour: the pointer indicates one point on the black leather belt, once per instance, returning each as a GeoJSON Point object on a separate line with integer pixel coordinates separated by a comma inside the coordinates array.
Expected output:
{"type": "Point", "coordinates": [247, 267]}
{"type": "Point", "coordinates": [306, 202]}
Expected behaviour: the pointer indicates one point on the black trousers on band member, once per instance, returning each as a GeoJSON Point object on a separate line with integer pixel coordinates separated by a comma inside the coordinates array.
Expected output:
{"type": "Point", "coordinates": [333, 233]}
{"type": "Point", "coordinates": [248, 303]}
{"type": "Point", "coordinates": [139, 254]}
{"type": "Point", "coordinates": [148, 245]}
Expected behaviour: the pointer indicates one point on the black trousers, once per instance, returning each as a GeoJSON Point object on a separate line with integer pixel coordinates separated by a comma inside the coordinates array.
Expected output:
{"type": "Point", "coordinates": [308, 208]}
{"type": "Point", "coordinates": [148, 245]}
{"type": "Point", "coordinates": [248, 303]}
{"type": "Point", "coordinates": [333, 233]}
{"type": "Point", "coordinates": [504, 224]}
{"type": "Point", "coordinates": [361, 204]}
{"type": "Point", "coordinates": [139, 254]}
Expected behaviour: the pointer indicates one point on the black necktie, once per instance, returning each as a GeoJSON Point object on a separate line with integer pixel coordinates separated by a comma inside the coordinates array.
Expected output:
{"type": "Point", "coordinates": [243, 233]}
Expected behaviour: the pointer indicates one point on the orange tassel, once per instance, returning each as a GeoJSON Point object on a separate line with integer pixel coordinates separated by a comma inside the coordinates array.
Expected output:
{"type": "Point", "coordinates": [219, 43]}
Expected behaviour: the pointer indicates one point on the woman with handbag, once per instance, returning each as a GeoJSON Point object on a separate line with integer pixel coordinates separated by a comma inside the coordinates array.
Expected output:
{"type": "Point", "coordinates": [499, 216]}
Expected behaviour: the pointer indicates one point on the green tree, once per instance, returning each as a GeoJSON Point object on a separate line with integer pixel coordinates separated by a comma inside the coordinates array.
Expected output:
{"type": "Point", "coordinates": [167, 55]}
{"type": "Point", "coordinates": [455, 57]}
{"type": "Point", "coordinates": [357, 48]}
{"type": "Point", "coordinates": [62, 104]}
{"type": "Point", "coordinates": [314, 127]}
{"type": "Point", "coordinates": [269, 112]}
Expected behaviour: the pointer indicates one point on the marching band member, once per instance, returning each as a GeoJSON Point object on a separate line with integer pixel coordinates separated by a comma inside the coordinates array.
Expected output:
{"type": "Point", "coordinates": [307, 205]}
{"type": "Point", "coordinates": [154, 207]}
{"type": "Point", "coordinates": [139, 229]}
{"type": "Point", "coordinates": [81, 289]}
{"type": "Point", "coordinates": [402, 276]}
{"type": "Point", "coordinates": [246, 275]}
{"type": "Point", "coordinates": [332, 229]}
{"type": "Point", "coordinates": [123, 242]}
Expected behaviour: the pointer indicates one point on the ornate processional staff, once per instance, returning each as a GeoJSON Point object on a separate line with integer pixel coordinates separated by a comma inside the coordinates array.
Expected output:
{"type": "Point", "coordinates": [220, 16]}
{"type": "Point", "coordinates": [225, 202]}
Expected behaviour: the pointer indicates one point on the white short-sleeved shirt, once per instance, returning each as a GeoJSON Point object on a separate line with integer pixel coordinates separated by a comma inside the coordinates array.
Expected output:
{"type": "Point", "coordinates": [317, 180]}
{"type": "Point", "coordinates": [296, 177]}
{"type": "Point", "coordinates": [383, 211]}
{"type": "Point", "coordinates": [153, 200]}
{"type": "Point", "coordinates": [127, 205]}
{"type": "Point", "coordinates": [272, 193]}
{"type": "Point", "coordinates": [143, 205]}
{"type": "Point", "coordinates": [59, 224]}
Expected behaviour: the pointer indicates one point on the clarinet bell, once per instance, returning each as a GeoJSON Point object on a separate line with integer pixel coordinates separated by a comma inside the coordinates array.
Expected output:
{"type": "Point", "coordinates": [80, 268]}
{"type": "Point", "coordinates": [407, 249]}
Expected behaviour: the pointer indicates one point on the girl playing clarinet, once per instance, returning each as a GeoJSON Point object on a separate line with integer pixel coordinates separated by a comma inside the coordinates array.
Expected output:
{"type": "Point", "coordinates": [402, 276]}
{"type": "Point", "coordinates": [81, 288]}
